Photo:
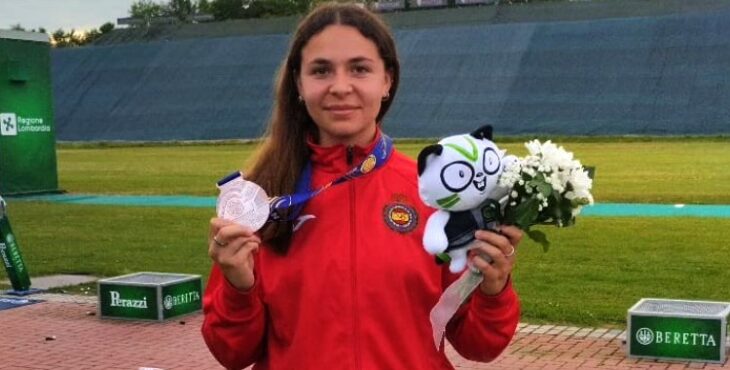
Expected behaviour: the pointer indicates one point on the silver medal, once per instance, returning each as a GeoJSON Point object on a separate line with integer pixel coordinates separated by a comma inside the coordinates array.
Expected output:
{"type": "Point", "coordinates": [244, 203]}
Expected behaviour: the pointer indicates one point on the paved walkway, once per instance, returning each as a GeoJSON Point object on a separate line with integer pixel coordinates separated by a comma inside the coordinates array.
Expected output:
{"type": "Point", "coordinates": [64, 333]}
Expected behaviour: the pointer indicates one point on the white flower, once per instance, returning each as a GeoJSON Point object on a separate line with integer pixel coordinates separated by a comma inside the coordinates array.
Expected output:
{"type": "Point", "coordinates": [579, 179]}
{"type": "Point", "coordinates": [557, 182]}
{"type": "Point", "coordinates": [546, 165]}
{"type": "Point", "coordinates": [533, 147]}
{"type": "Point", "coordinates": [553, 166]}
{"type": "Point", "coordinates": [511, 175]}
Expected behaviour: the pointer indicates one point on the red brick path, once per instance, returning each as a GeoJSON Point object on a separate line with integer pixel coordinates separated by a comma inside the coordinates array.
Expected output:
{"type": "Point", "coordinates": [63, 335]}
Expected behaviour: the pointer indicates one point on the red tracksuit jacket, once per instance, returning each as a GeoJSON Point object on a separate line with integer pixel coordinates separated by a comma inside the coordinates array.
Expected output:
{"type": "Point", "coordinates": [356, 287]}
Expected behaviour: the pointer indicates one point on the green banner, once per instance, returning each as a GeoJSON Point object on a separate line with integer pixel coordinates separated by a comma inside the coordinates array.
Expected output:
{"type": "Point", "coordinates": [27, 134]}
{"type": "Point", "coordinates": [126, 301]}
{"type": "Point", "coordinates": [183, 298]}
{"type": "Point", "coordinates": [680, 338]}
{"type": "Point", "coordinates": [10, 253]}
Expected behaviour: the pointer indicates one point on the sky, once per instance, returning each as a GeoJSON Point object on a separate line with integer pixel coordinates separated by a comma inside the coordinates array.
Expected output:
{"type": "Point", "coordinates": [66, 14]}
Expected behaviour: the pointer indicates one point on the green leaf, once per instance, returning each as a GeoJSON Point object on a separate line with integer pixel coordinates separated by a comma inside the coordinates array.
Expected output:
{"type": "Point", "coordinates": [443, 257]}
{"type": "Point", "coordinates": [545, 189]}
{"type": "Point", "coordinates": [579, 202]}
{"type": "Point", "coordinates": [540, 238]}
{"type": "Point", "coordinates": [523, 215]}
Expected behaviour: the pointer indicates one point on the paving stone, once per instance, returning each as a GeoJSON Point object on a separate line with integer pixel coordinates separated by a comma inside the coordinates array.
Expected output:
{"type": "Point", "coordinates": [556, 330]}
{"type": "Point", "coordinates": [83, 342]}
{"type": "Point", "coordinates": [529, 329]}
{"type": "Point", "coordinates": [611, 334]}
{"type": "Point", "coordinates": [543, 329]}
{"type": "Point", "coordinates": [570, 330]}
{"type": "Point", "coordinates": [582, 333]}
{"type": "Point", "coordinates": [597, 333]}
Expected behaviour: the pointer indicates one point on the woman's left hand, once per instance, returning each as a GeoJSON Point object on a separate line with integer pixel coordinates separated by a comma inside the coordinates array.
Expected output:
{"type": "Point", "coordinates": [502, 250]}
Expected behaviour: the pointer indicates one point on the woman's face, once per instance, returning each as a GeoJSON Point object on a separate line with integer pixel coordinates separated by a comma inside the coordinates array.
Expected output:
{"type": "Point", "coordinates": [343, 81]}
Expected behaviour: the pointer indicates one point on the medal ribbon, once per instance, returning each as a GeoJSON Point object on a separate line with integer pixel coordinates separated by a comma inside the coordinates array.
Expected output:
{"type": "Point", "coordinates": [374, 160]}
{"type": "Point", "coordinates": [303, 193]}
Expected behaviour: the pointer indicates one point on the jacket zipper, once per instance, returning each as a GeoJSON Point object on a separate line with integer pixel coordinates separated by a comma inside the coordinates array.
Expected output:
{"type": "Point", "coordinates": [349, 155]}
{"type": "Point", "coordinates": [353, 266]}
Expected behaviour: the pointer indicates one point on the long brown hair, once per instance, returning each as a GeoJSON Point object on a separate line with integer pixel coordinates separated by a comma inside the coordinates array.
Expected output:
{"type": "Point", "coordinates": [284, 152]}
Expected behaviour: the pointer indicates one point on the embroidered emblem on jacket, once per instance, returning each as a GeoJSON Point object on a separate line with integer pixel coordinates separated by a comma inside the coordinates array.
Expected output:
{"type": "Point", "coordinates": [400, 217]}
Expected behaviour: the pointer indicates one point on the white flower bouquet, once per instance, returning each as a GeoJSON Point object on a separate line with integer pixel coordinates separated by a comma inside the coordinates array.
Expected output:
{"type": "Point", "coordinates": [548, 187]}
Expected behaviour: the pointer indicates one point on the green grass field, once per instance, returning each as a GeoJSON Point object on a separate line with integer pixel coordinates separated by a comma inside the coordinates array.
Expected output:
{"type": "Point", "coordinates": [592, 274]}
{"type": "Point", "coordinates": [642, 172]}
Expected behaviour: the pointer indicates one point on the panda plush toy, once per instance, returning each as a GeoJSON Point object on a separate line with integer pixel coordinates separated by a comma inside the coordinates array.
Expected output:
{"type": "Point", "coordinates": [459, 176]}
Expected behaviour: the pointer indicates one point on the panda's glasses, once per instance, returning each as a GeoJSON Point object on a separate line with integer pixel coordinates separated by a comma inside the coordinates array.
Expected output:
{"type": "Point", "coordinates": [456, 176]}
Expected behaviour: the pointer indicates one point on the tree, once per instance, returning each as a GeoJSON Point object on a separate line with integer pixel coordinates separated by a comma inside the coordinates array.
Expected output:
{"type": "Point", "coordinates": [89, 37]}
{"type": "Point", "coordinates": [59, 38]}
{"type": "Point", "coordinates": [180, 9]}
{"type": "Point", "coordinates": [146, 10]}
{"type": "Point", "coordinates": [63, 39]}
{"type": "Point", "coordinates": [95, 34]}
{"type": "Point", "coordinates": [106, 28]}
{"type": "Point", "coordinates": [268, 8]}
{"type": "Point", "coordinates": [236, 9]}
{"type": "Point", "coordinates": [18, 27]}
{"type": "Point", "coordinates": [227, 9]}
{"type": "Point", "coordinates": [204, 6]}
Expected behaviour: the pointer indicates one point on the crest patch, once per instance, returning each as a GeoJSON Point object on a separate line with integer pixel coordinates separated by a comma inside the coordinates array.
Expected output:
{"type": "Point", "coordinates": [400, 217]}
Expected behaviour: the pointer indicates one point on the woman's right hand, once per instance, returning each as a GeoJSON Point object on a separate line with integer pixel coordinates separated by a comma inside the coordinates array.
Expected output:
{"type": "Point", "coordinates": [231, 246]}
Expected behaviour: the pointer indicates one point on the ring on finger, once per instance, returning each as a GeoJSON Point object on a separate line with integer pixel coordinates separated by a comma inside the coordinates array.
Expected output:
{"type": "Point", "coordinates": [511, 253]}
{"type": "Point", "coordinates": [218, 242]}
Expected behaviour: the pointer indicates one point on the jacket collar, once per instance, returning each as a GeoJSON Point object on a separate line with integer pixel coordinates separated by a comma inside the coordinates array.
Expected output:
{"type": "Point", "coordinates": [335, 158]}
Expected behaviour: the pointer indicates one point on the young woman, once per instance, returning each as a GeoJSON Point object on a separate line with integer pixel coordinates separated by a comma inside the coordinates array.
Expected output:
{"type": "Point", "coordinates": [345, 283]}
